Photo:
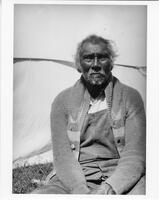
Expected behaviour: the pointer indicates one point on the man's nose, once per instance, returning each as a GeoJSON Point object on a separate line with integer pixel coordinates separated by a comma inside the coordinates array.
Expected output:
{"type": "Point", "coordinates": [96, 65]}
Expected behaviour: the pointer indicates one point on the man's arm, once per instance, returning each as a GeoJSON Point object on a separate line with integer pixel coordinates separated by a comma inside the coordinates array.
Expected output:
{"type": "Point", "coordinates": [67, 167]}
{"type": "Point", "coordinates": [131, 165]}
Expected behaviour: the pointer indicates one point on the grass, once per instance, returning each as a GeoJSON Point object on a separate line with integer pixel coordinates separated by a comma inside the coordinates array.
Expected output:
{"type": "Point", "coordinates": [23, 177]}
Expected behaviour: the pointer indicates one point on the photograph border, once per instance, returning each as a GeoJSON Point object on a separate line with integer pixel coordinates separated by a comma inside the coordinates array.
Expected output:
{"type": "Point", "coordinates": [7, 13]}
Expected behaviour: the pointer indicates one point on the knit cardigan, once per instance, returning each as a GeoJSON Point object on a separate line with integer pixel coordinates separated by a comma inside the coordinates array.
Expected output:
{"type": "Point", "coordinates": [128, 123]}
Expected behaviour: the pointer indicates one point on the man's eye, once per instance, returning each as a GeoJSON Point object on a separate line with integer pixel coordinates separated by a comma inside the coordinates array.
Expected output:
{"type": "Point", "coordinates": [103, 59]}
{"type": "Point", "coordinates": [88, 60]}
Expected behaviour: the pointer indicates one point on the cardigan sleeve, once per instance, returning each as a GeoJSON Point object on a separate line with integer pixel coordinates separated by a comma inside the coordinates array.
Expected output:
{"type": "Point", "coordinates": [131, 165]}
{"type": "Point", "coordinates": [66, 166]}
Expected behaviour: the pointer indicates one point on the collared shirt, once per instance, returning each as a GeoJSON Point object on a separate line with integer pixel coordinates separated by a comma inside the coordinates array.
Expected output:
{"type": "Point", "coordinates": [97, 105]}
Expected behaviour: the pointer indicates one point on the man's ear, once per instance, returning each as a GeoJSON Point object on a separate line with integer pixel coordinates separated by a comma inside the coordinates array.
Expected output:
{"type": "Point", "coordinates": [79, 69]}
{"type": "Point", "coordinates": [111, 65]}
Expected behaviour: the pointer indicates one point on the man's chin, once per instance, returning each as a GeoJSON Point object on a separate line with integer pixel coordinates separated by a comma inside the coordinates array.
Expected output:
{"type": "Point", "coordinates": [96, 82]}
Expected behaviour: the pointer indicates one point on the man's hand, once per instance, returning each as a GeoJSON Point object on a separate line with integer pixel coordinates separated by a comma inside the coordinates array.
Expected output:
{"type": "Point", "coordinates": [104, 188]}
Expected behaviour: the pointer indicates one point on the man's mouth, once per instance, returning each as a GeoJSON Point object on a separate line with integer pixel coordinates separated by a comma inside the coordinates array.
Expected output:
{"type": "Point", "coordinates": [97, 74]}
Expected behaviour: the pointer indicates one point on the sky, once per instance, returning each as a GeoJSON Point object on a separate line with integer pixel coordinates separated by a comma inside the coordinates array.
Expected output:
{"type": "Point", "coordinates": [53, 31]}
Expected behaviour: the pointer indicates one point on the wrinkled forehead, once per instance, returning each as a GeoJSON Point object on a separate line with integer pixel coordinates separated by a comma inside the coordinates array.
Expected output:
{"type": "Point", "coordinates": [97, 48]}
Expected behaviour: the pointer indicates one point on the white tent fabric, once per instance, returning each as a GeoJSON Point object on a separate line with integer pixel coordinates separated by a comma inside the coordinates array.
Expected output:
{"type": "Point", "coordinates": [35, 86]}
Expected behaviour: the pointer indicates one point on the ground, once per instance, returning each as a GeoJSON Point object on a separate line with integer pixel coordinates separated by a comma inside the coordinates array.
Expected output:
{"type": "Point", "coordinates": [24, 178]}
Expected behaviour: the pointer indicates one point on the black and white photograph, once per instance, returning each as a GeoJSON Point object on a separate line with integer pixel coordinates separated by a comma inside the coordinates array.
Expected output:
{"type": "Point", "coordinates": [79, 106]}
{"type": "Point", "coordinates": [79, 99]}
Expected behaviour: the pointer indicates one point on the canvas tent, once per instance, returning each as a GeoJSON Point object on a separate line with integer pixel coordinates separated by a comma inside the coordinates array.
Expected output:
{"type": "Point", "coordinates": [33, 96]}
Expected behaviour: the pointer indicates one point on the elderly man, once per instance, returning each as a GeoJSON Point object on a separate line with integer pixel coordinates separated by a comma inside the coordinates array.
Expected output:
{"type": "Point", "coordinates": [98, 129]}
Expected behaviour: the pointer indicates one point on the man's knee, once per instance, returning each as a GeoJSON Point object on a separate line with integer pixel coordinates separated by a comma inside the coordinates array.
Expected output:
{"type": "Point", "coordinates": [139, 188]}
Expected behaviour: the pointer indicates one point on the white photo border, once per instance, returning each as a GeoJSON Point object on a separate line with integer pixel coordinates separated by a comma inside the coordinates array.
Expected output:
{"type": "Point", "coordinates": [7, 13]}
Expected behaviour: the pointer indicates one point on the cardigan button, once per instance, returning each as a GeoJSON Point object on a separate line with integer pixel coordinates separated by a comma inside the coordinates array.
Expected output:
{"type": "Point", "coordinates": [73, 147]}
{"type": "Point", "coordinates": [114, 124]}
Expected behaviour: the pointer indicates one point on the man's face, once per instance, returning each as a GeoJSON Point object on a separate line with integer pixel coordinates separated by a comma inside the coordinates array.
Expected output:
{"type": "Point", "coordinates": [95, 63]}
